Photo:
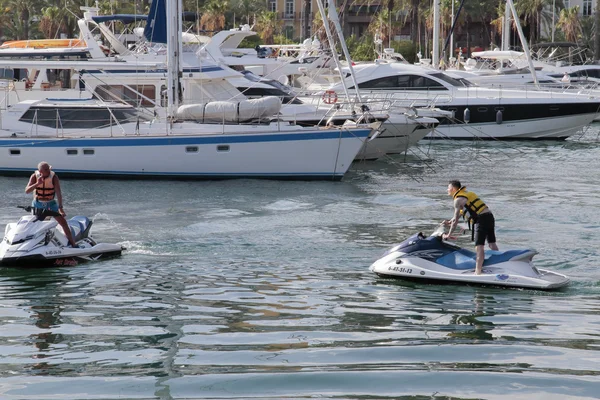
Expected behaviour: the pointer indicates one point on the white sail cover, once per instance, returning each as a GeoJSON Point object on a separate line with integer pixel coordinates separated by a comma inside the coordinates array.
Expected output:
{"type": "Point", "coordinates": [231, 111]}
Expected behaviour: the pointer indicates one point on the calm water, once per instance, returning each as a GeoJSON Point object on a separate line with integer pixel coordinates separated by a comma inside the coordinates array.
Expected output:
{"type": "Point", "coordinates": [258, 289]}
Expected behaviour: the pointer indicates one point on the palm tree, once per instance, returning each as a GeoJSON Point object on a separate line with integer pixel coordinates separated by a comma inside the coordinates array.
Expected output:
{"type": "Point", "coordinates": [246, 9]}
{"type": "Point", "coordinates": [213, 16]}
{"type": "Point", "coordinates": [15, 18]}
{"type": "Point", "coordinates": [568, 21]}
{"type": "Point", "coordinates": [51, 24]}
{"type": "Point", "coordinates": [382, 26]}
{"type": "Point", "coordinates": [267, 26]}
{"type": "Point", "coordinates": [535, 14]}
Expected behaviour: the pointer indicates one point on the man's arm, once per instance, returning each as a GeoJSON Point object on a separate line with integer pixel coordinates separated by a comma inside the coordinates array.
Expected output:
{"type": "Point", "coordinates": [33, 183]}
{"type": "Point", "coordinates": [58, 194]}
{"type": "Point", "coordinates": [459, 204]}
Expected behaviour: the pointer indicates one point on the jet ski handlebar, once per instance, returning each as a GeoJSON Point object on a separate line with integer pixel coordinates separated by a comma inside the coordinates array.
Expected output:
{"type": "Point", "coordinates": [26, 208]}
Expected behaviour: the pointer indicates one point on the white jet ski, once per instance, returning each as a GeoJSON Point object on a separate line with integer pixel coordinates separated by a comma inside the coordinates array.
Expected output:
{"type": "Point", "coordinates": [421, 258]}
{"type": "Point", "coordinates": [32, 242]}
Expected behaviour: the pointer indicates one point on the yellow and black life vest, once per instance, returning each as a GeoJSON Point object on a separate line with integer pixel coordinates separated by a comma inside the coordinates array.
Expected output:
{"type": "Point", "coordinates": [46, 191]}
{"type": "Point", "coordinates": [474, 205]}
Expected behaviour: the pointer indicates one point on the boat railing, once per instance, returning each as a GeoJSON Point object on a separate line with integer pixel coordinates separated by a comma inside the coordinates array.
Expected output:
{"type": "Point", "coordinates": [529, 90]}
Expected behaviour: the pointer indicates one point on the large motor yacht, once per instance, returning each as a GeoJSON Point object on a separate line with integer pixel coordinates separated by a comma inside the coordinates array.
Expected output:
{"type": "Point", "coordinates": [476, 112]}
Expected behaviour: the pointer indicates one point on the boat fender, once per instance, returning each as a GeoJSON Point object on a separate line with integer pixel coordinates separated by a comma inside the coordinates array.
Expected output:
{"type": "Point", "coordinates": [467, 115]}
{"type": "Point", "coordinates": [499, 117]}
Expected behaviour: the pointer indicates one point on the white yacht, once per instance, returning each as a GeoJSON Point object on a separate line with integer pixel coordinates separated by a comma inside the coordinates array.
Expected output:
{"type": "Point", "coordinates": [477, 112]}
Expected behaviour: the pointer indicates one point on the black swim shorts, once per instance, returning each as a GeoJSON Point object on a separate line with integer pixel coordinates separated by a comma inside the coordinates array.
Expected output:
{"type": "Point", "coordinates": [485, 229]}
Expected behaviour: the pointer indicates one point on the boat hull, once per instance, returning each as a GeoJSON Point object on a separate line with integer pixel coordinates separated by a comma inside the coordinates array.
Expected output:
{"type": "Point", "coordinates": [396, 136]}
{"type": "Point", "coordinates": [324, 154]}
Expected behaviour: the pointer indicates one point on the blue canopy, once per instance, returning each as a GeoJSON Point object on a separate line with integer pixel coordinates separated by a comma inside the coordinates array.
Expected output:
{"type": "Point", "coordinates": [124, 18]}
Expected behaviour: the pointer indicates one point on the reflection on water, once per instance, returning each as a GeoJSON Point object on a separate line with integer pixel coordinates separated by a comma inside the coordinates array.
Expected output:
{"type": "Point", "coordinates": [243, 289]}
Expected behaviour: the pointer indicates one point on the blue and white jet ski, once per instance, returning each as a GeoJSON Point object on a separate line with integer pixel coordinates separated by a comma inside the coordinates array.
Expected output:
{"type": "Point", "coordinates": [421, 258]}
{"type": "Point", "coordinates": [33, 242]}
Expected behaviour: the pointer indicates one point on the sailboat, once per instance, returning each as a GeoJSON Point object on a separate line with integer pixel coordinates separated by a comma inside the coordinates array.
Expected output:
{"type": "Point", "coordinates": [89, 137]}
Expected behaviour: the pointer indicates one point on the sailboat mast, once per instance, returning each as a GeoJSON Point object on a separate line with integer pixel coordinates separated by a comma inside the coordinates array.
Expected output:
{"type": "Point", "coordinates": [334, 53]}
{"type": "Point", "coordinates": [435, 60]}
{"type": "Point", "coordinates": [333, 15]}
{"type": "Point", "coordinates": [506, 29]}
{"type": "Point", "coordinates": [523, 41]}
{"type": "Point", "coordinates": [174, 48]}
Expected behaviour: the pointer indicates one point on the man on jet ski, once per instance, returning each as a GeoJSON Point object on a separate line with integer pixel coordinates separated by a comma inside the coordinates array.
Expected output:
{"type": "Point", "coordinates": [46, 187]}
{"type": "Point", "coordinates": [480, 218]}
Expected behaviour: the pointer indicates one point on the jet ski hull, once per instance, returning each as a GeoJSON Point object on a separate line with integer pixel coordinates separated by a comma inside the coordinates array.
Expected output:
{"type": "Point", "coordinates": [548, 280]}
{"type": "Point", "coordinates": [431, 259]}
{"type": "Point", "coordinates": [36, 243]}
{"type": "Point", "coordinates": [65, 259]}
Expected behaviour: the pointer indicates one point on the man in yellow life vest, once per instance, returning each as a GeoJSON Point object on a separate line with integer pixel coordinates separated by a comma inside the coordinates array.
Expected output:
{"type": "Point", "coordinates": [480, 217]}
{"type": "Point", "coordinates": [47, 197]}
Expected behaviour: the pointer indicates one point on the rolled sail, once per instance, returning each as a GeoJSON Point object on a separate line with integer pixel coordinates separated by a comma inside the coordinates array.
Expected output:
{"type": "Point", "coordinates": [230, 111]}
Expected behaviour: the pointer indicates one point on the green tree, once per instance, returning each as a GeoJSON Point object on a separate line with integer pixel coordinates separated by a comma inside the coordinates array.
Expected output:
{"type": "Point", "coordinates": [51, 24]}
{"type": "Point", "coordinates": [535, 13]}
{"type": "Point", "coordinates": [15, 18]}
{"type": "Point", "coordinates": [213, 15]}
{"type": "Point", "coordinates": [267, 26]}
{"type": "Point", "coordinates": [568, 22]}
{"type": "Point", "coordinates": [382, 26]}
{"type": "Point", "coordinates": [246, 10]}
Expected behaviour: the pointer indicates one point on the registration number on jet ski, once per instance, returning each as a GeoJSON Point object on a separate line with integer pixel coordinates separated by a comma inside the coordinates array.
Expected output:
{"type": "Point", "coordinates": [53, 252]}
{"type": "Point", "coordinates": [400, 269]}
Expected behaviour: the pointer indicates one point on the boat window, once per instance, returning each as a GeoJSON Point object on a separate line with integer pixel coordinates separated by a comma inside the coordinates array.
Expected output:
{"type": "Point", "coordinates": [88, 152]}
{"type": "Point", "coordinates": [388, 82]}
{"type": "Point", "coordinates": [593, 73]}
{"type": "Point", "coordinates": [405, 82]}
{"type": "Point", "coordinates": [136, 95]}
{"type": "Point", "coordinates": [191, 149]}
{"type": "Point", "coordinates": [15, 152]}
{"type": "Point", "coordinates": [419, 83]}
{"type": "Point", "coordinates": [72, 152]}
{"type": "Point", "coordinates": [7, 73]}
{"type": "Point", "coordinates": [223, 147]}
{"type": "Point", "coordinates": [305, 60]}
{"type": "Point", "coordinates": [73, 117]}
{"type": "Point", "coordinates": [482, 109]}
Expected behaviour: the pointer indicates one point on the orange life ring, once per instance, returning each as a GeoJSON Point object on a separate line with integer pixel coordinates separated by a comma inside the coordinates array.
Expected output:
{"type": "Point", "coordinates": [330, 97]}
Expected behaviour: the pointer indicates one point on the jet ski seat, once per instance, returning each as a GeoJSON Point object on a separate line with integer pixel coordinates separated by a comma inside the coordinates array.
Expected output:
{"type": "Point", "coordinates": [465, 259]}
{"type": "Point", "coordinates": [80, 227]}
{"type": "Point", "coordinates": [495, 257]}
{"type": "Point", "coordinates": [460, 259]}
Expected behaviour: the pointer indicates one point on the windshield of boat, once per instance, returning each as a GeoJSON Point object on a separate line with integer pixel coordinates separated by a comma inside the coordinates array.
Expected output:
{"type": "Point", "coordinates": [460, 82]}
{"type": "Point", "coordinates": [286, 93]}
